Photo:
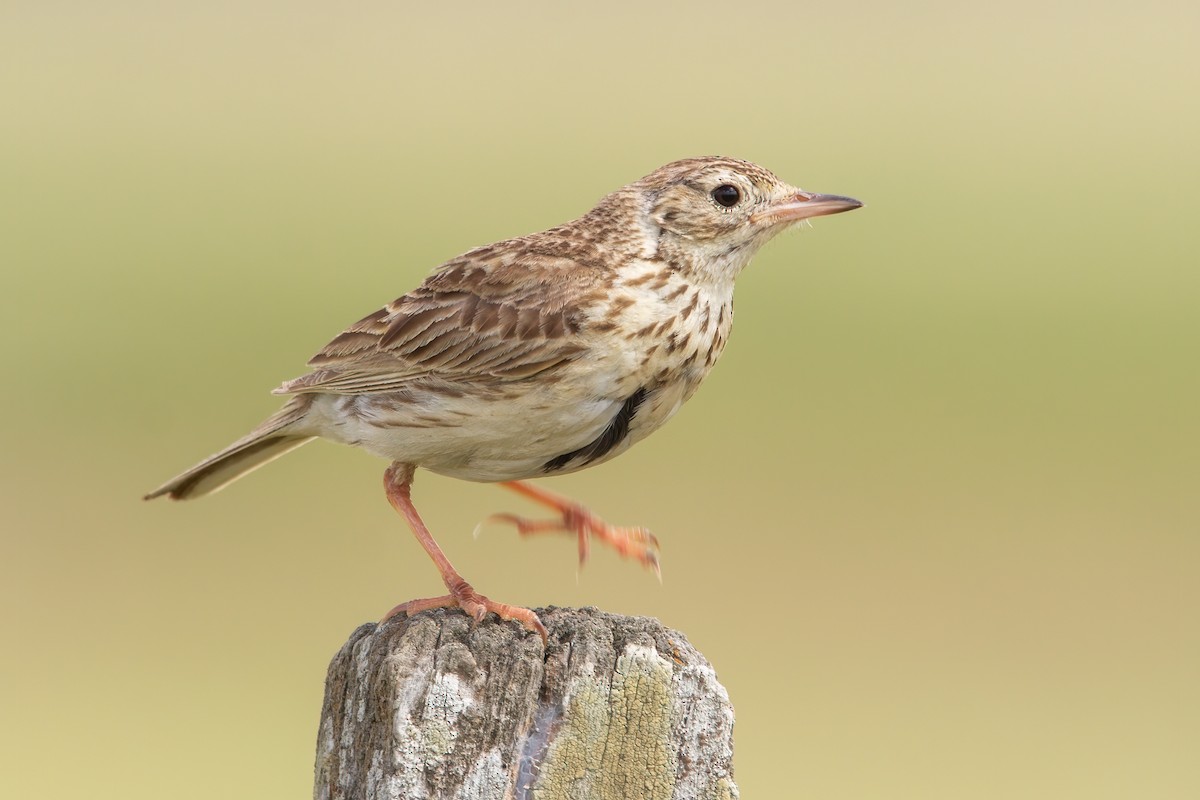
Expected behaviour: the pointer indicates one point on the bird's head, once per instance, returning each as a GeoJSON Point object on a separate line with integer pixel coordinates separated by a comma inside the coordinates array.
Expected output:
{"type": "Point", "coordinates": [717, 212]}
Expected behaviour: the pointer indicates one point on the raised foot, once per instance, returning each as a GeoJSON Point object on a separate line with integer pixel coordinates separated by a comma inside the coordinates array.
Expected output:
{"type": "Point", "coordinates": [477, 607]}
{"type": "Point", "coordinates": [636, 543]}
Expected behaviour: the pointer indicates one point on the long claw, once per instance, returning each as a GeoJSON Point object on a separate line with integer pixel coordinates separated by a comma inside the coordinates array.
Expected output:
{"type": "Point", "coordinates": [652, 563]}
{"type": "Point", "coordinates": [525, 526]}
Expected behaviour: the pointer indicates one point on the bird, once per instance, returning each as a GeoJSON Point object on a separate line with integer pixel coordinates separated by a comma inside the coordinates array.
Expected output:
{"type": "Point", "coordinates": [537, 356]}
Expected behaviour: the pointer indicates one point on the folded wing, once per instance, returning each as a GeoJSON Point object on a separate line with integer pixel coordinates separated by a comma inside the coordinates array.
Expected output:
{"type": "Point", "coordinates": [471, 319]}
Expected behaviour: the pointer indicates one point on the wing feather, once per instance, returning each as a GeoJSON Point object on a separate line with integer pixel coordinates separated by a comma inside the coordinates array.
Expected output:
{"type": "Point", "coordinates": [501, 318]}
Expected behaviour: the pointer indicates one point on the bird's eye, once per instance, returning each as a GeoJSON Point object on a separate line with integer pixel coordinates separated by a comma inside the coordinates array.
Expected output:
{"type": "Point", "coordinates": [726, 195]}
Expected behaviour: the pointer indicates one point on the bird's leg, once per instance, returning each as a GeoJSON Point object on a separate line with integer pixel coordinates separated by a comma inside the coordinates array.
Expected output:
{"type": "Point", "coordinates": [397, 481]}
{"type": "Point", "coordinates": [636, 543]}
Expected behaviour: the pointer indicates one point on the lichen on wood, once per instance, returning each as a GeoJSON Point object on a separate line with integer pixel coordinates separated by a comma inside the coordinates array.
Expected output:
{"type": "Point", "coordinates": [436, 707]}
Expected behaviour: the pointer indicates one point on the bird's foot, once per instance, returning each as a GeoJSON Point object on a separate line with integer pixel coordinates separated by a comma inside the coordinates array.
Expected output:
{"type": "Point", "coordinates": [477, 607]}
{"type": "Point", "coordinates": [636, 542]}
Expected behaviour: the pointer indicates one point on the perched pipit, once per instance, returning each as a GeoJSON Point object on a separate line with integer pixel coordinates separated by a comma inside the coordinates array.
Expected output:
{"type": "Point", "coordinates": [539, 355]}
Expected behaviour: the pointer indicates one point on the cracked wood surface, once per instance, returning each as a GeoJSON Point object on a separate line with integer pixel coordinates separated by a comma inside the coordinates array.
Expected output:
{"type": "Point", "coordinates": [433, 707]}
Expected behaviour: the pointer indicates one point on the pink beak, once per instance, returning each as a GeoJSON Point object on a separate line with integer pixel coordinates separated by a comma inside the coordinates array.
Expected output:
{"type": "Point", "coordinates": [803, 205]}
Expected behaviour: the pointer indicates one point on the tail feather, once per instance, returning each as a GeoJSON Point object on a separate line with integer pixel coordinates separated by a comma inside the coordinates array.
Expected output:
{"type": "Point", "coordinates": [274, 437]}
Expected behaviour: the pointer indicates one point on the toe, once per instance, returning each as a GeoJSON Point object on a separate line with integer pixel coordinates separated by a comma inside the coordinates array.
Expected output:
{"type": "Point", "coordinates": [527, 618]}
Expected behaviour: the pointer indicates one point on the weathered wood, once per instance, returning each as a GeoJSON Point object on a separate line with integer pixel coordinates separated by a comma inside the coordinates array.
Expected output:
{"type": "Point", "coordinates": [433, 707]}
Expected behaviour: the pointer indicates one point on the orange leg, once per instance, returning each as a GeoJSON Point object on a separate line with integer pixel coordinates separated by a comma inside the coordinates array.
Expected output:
{"type": "Point", "coordinates": [636, 543]}
{"type": "Point", "coordinates": [397, 481]}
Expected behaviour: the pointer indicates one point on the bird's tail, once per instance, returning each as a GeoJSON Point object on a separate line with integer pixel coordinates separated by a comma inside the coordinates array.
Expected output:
{"type": "Point", "coordinates": [274, 437]}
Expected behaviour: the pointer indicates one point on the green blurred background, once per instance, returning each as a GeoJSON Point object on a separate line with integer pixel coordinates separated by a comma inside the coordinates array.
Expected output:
{"type": "Point", "coordinates": [934, 518]}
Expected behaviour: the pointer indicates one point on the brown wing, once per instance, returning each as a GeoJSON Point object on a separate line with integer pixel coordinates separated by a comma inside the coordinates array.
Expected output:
{"type": "Point", "coordinates": [473, 318]}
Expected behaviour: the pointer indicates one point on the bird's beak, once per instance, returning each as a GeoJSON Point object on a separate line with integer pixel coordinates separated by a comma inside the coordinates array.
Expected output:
{"type": "Point", "coordinates": [803, 205]}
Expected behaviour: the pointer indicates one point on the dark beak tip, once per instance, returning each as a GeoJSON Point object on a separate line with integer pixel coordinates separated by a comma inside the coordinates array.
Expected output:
{"type": "Point", "coordinates": [849, 203]}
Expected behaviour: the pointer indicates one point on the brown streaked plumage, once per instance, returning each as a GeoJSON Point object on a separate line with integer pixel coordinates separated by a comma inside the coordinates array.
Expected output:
{"type": "Point", "coordinates": [540, 355]}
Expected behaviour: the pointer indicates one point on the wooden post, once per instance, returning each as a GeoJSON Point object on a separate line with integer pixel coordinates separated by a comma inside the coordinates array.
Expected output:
{"type": "Point", "coordinates": [433, 707]}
